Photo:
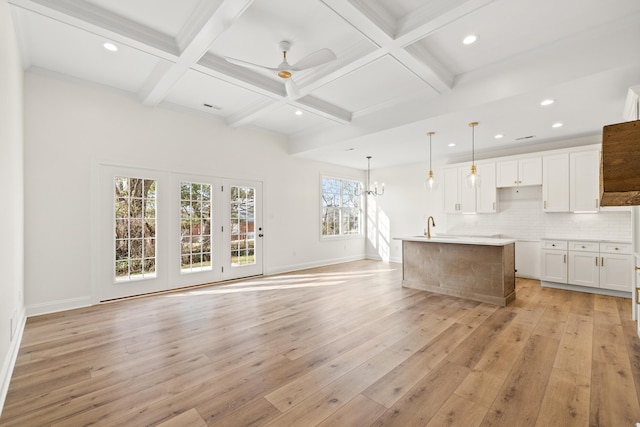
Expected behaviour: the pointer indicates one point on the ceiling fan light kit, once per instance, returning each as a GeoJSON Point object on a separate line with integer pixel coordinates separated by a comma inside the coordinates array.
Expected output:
{"type": "Point", "coordinates": [284, 70]}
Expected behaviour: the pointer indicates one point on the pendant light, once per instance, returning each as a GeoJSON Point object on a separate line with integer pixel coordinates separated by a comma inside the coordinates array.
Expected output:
{"type": "Point", "coordinates": [369, 191]}
{"type": "Point", "coordinates": [473, 179]}
{"type": "Point", "coordinates": [430, 183]}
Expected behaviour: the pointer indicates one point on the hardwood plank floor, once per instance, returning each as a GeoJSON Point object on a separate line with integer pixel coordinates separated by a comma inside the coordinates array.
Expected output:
{"type": "Point", "coordinates": [343, 345]}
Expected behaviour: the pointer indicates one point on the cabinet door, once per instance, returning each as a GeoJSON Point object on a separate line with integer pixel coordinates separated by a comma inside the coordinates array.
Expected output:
{"type": "Point", "coordinates": [450, 190]}
{"type": "Point", "coordinates": [555, 183]}
{"type": "Point", "coordinates": [467, 195]}
{"type": "Point", "coordinates": [616, 272]}
{"type": "Point", "coordinates": [584, 187]}
{"type": "Point", "coordinates": [584, 269]}
{"type": "Point", "coordinates": [553, 266]}
{"type": "Point", "coordinates": [487, 194]}
{"type": "Point", "coordinates": [530, 171]}
{"type": "Point", "coordinates": [507, 174]}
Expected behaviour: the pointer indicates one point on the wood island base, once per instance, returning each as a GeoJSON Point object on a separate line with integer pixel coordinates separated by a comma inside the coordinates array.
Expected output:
{"type": "Point", "coordinates": [484, 273]}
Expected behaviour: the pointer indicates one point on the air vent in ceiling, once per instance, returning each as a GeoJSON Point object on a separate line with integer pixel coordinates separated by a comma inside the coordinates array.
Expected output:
{"type": "Point", "coordinates": [525, 137]}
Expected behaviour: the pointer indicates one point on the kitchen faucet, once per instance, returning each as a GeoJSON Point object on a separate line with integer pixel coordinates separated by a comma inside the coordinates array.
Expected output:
{"type": "Point", "coordinates": [430, 221]}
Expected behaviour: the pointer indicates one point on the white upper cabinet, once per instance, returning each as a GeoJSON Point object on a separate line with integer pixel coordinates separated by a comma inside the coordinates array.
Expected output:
{"type": "Point", "coordinates": [487, 193]}
{"type": "Point", "coordinates": [521, 172]}
{"type": "Point", "coordinates": [555, 183]}
{"type": "Point", "coordinates": [585, 181]}
{"type": "Point", "coordinates": [451, 190]}
{"type": "Point", "coordinates": [458, 197]}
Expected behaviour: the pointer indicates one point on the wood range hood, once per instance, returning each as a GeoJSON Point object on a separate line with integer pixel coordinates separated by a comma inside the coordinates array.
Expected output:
{"type": "Point", "coordinates": [620, 161]}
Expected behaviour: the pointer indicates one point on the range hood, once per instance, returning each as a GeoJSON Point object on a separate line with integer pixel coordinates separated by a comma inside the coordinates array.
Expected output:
{"type": "Point", "coordinates": [620, 161]}
{"type": "Point", "coordinates": [620, 165]}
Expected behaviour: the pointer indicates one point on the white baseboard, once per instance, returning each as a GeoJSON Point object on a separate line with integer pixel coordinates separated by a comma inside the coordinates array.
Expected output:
{"type": "Point", "coordinates": [600, 291]}
{"type": "Point", "coordinates": [10, 361]}
{"type": "Point", "coordinates": [313, 264]}
{"type": "Point", "coordinates": [56, 306]}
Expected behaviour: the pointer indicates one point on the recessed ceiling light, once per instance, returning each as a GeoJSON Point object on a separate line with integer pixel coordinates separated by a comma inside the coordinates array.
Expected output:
{"type": "Point", "coordinates": [298, 113]}
{"type": "Point", "coordinates": [470, 39]}
{"type": "Point", "coordinates": [556, 125]}
{"type": "Point", "coordinates": [451, 145]}
{"type": "Point", "coordinates": [546, 102]}
{"type": "Point", "coordinates": [498, 136]}
{"type": "Point", "coordinates": [110, 47]}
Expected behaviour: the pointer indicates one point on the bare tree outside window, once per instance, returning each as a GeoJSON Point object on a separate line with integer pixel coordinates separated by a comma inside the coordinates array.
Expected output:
{"type": "Point", "coordinates": [135, 228]}
{"type": "Point", "coordinates": [341, 207]}
{"type": "Point", "coordinates": [195, 227]}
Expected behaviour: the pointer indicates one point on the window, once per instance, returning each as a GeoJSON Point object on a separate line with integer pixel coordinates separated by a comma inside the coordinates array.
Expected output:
{"type": "Point", "coordinates": [243, 217]}
{"type": "Point", "coordinates": [341, 200]}
{"type": "Point", "coordinates": [135, 228]}
{"type": "Point", "coordinates": [195, 227]}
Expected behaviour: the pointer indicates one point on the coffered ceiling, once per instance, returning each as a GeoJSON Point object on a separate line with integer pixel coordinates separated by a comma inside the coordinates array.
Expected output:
{"type": "Point", "coordinates": [401, 68]}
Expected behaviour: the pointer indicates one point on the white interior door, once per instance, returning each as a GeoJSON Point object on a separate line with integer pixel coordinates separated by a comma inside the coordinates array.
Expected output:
{"type": "Point", "coordinates": [242, 229]}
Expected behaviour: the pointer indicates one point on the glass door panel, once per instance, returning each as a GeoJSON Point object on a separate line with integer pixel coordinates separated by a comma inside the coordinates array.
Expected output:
{"type": "Point", "coordinates": [243, 231]}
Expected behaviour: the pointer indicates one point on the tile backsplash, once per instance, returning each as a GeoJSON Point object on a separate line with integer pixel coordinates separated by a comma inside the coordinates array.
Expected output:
{"type": "Point", "coordinates": [521, 216]}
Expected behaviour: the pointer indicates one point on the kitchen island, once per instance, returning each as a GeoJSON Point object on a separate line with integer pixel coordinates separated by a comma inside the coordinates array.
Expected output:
{"type": "Point", "coordinates": [476, 268]}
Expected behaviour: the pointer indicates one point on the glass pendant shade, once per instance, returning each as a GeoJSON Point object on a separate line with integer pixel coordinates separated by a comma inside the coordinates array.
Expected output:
{"type": "Point", "coordinates": [473, 179]}
{"type": "Point", "coordinates": [430, 183]}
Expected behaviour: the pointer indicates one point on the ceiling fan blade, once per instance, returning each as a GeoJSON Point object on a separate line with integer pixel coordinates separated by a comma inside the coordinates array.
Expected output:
{"type": "Point", "coordinates": [246, 64]}
{"type": "Point", "coordinates": [292, 89]}
{"type": "Point", "coordinates": [314, 59]}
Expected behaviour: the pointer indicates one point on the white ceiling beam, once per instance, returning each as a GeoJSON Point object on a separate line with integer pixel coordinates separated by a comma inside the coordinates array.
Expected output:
{"type": "Point", "coordinates": [90, 18]}
{"type": "Point", "coordinates": [416, 26]}
{"type": "Point", "coordinates": [220, 20]}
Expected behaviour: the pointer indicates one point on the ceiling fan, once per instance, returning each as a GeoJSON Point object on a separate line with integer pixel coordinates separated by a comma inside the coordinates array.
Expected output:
{"type": "Point", "coordinates": [285, 70]}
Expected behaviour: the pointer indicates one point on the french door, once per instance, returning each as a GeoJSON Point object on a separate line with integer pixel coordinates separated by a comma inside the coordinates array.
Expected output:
{"type": "Point", "coordinates": [242, 227]}
{"type": "Point", "coordinates": [158, 231]}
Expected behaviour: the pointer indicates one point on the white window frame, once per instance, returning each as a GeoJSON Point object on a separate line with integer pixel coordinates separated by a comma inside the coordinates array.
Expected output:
{"type": "Point", "coordinates": [341, 235]}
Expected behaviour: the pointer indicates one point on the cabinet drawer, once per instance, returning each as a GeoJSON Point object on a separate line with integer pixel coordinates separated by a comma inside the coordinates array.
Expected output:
{"type": "Point", "coordinates": [554, 244]}
{"type": "Point", "coordinates": [616, 248]}
{"type": "Point", "coordinates": [584, 246]}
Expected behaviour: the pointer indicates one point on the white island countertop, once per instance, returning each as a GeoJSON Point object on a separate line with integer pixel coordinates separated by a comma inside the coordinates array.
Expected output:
{"type": "Point", "coordinates": [460, 240]}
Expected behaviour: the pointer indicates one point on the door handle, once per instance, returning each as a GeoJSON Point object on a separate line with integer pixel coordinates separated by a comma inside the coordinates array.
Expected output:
{"type": "Point", "coordinates": [260, 235]}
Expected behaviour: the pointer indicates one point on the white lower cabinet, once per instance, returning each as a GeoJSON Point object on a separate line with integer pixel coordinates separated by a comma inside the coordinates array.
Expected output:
{"type": "Point", "coordinates": [591, 264]}
{"type": "Point", "coordinates": [616, 272]}
{"type": "Point", "coordinates": [553, 261]}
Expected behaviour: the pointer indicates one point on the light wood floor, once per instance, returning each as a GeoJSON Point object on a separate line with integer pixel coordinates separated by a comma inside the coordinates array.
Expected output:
{"type": "Point", "coordinates": [335, 346]}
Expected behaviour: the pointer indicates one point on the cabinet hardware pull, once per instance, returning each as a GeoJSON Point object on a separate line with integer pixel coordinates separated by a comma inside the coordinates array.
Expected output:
{"type": "Point", "coordinates": [565, 259]}
{"type": "Point", "coordinates": [515, 182]}
{"type": "Point", "coordinates": [583, 246]}
{"type": "Point", "coordinates": [553, 244]}
{"type": "Point", "coordinates": [637, 268]}
{"type": "Point", "coordinates": [616, 249]}
{"type": "Point", "coordinates": [596, 203]}
{"type": "Point", "coordinates": [596, 261]}
{"type": "Point", "coordinates": [545, 204]}
{"type": "Point", "coordinates": [637, 295]}
{"type": "Point", "coordinates": [602, 261]}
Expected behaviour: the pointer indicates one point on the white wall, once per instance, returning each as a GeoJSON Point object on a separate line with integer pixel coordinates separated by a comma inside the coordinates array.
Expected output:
{"type": "Point", "coordinates": [71, 125]}
{"type": "Point", "coordinates": [11, 208]}
{"type": "Point", "coordinates": [403, 210]}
